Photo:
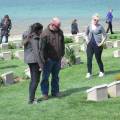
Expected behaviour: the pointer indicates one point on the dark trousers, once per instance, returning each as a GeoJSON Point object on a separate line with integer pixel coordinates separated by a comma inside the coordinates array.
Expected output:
{"type": "Point", "coordinates": [35, 78]}
{"type": "Point", "coordinates": [51, 67]}
{"type": "Point", "coordinates": [6, 39]}
{"type": "Point", "coordinates": [91, 49]}
{"type": "Point", "coordinates": [109, 27]}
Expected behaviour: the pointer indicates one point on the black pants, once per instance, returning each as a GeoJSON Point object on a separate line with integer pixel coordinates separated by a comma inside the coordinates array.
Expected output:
{"type": "Point", "coordinates": [109, 27]}
{"type": "Point", "coordinates": [35, 78]}
{"type": "Point", "coordinates": [91, 49]}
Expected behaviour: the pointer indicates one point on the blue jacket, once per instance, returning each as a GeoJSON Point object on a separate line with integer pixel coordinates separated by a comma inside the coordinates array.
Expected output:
{"type": "Point", "coordinates": [109, 17]}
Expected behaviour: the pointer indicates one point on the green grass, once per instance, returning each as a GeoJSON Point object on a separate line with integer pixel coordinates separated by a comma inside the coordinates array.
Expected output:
{"type": "Point", "coordinates": [115, 36]}
{"type": "Point", "coordinates": [73, 85]}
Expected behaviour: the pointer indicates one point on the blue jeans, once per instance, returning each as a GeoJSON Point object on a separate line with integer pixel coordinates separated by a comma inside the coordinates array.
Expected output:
{"type": "Point", "coordinates": [51, 67]}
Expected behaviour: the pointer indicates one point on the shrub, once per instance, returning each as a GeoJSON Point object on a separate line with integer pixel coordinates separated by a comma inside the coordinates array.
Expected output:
{"type": "Point", "coordinates": [70, 55]}
{"type": "Point", "coordinates": [68, 40]}
{"type": "Point", "coordinates": [11, 46]}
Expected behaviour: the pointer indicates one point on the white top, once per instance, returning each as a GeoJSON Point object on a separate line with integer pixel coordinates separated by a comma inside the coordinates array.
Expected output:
{"type": "Point", "coordinates": [96, 87]}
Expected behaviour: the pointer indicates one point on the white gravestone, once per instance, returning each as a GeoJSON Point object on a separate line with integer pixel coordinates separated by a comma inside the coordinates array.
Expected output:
{"type": "Point", "coordinates": [114, 89]}
{"type": "Point", "coordinates": [116, 53]}
{"type": "Point", "coordinates": [6, 55]}
{"type": "Point", "coordinates": [19, 54]}
{"type": "Point", "coordinates": [8, 78]}
{"type": "Point", "coordinates": [117, 43]}
{"type": "Point", "coordinates": [97, 93]}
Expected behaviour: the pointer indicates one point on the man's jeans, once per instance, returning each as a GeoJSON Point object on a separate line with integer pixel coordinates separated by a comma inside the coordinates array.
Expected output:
{"type": "Point", "coordinates": [51, 67]}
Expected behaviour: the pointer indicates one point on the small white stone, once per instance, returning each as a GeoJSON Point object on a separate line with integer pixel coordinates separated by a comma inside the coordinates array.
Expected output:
{"type": "Point", "coordinates": [97, 93]}
{"type": "Point", "coordinates": [8, 78]}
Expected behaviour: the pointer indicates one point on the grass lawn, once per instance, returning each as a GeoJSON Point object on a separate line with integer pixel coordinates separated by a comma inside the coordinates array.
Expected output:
{"type": "Point", "coordinates": [73, 85]}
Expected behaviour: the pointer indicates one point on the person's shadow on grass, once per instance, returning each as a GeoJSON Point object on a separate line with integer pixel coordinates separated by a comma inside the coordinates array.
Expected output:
{"type": "Point", "coordinates": [9, 66]}
{"type": "Point", "coordinates": [109, 72]}
{"type": "Point", "coordinates": [67, 92]}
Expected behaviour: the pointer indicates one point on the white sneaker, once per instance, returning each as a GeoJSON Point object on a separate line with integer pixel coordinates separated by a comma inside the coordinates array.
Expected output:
{"type": "Point", "coordinates": [101, 74]}
{"type": "Point", "coordinates": [88, 75]}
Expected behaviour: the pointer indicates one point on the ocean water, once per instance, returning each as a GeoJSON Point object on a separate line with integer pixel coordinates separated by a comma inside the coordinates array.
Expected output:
{"type": "Point", "coordinates": [25, 12]}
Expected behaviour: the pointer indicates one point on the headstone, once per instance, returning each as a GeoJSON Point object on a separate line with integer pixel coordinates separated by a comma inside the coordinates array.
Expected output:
{"type": "Point", "coordinates": [19, 54]}
{"type": "Point", "coordinates": [76, 48]}
{"type": "Point", "coordinates": [6, 55]}
{"type": "Point", "coordinates": [27, 73]}
{"type": "Point", "coordinates": [4, 46]}
{"type": "Point", "coordinates": [64, 63]}
{"type": "Point", "coordinates": [109, 44]}
{"type": "Point", "coordinates": [83, 47]}
{"type": "Point", "coordinates": [78, 60]}
{"type": "Point", "coordinates": [114, 89]}
{"type": "Point", "coordinates": [18, 44]}
{"type": "Point", "coordinates": [116, 53]}
{"type": "Point", "coordinates": [97, 93]}
{"type": "Point", "coordinates": [8, 78]}
{"type": "Point", "coordinates": [117, 43]}
{"type": "Point", "coordinates": [1, 56]}
{"type": "Point", "coordinates": [78, 39]}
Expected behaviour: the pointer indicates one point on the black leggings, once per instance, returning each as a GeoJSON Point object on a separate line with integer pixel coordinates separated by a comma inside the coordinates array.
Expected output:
{"type": "Point", "coordinates": [91, 49]}
{"type": "Point", "coordinates": [109, 27]}
{"type": "Point", "coordinates": [35, 78]}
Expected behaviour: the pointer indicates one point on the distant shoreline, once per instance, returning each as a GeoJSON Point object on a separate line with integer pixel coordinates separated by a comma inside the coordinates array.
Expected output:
{"type": "Point", "coordinates": [21, 26]}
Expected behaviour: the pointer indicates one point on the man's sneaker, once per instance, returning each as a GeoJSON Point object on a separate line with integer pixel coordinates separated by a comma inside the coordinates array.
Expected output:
{"type": "Point", "coordinates": [88, 75]}
{"type": "Point", "coordinates": [101, 74]}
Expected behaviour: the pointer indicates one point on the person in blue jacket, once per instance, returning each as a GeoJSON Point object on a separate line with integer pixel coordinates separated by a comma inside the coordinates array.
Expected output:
{"type": "Point", "coordinates": [109, 19]}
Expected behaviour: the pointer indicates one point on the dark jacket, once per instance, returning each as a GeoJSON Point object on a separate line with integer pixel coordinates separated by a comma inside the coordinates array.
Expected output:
{"type": "Point", "coordinates": [74, 28]}
{"type": "Point", "coordinates": [5, 28]}
{"type": "Point", "coordinates": [32, 53]}
{"type": "Point", "coordinates": [53, 44]}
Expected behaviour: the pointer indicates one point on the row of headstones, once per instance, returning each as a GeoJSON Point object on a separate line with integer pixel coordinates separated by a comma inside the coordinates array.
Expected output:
{"type": "Point", "coordinates": [102, 92]}
{"type": "Point", "coordinates": [8, 55]}
{"type": "Point", "coordinates": [109, 44]}
{"type": "Point", "coordinates": [5, 46]}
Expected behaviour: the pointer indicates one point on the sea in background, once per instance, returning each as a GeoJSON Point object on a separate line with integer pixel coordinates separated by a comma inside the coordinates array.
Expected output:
{"type": "Point", "coordinates": [25, 12]}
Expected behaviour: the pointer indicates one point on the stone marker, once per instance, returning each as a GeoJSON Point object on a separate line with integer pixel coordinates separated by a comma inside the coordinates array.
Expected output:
{"type": "Point", "coordinates": [117, 43]}
{"type": "Point", "coordinates": [27, 72]}
{"type": "Point", "coordinates": [116, 53]}
{"type": "Point", "coordinates": [97, 93]}
{"type": "Point", "coordinates": [83, 47]}
{"type": "Point", "coordinates": [114, 89]}
{"type": "Point", "coordinates": [8, 78]}
{"type": "Point", "coordinates": [4, 46]}
{"type": "Point", "coordinates": [6, 55]}
{"type": "Point", "coordinates": [78, 60]}
{"type": "Point", "coordinates": [19, 54]}
{"type": "Point", "coordinates": [18, 44]}
{"type": "Point", "coordinates": [76, 48]}
{"type": "Point", "coordinates": [109, 44]}
{"type": "Point", "coordinates": [78, 39]}
{"type": "Point", "coordinates": [64, 63]}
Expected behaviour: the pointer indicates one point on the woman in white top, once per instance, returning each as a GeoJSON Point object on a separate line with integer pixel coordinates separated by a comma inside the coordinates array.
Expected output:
{"type": "Point", "coordinates": [96, 36]}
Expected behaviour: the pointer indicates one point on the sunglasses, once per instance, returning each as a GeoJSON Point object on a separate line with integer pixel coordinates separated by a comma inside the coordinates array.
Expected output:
{"type": "Point", "coordinates": [96, 20]}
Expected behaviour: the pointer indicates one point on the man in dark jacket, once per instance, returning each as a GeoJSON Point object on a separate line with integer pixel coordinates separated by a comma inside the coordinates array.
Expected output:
{"type": "Point", "coordinates": [5, 26]}
{"type": "Point", "coordinates": [53, 45]}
